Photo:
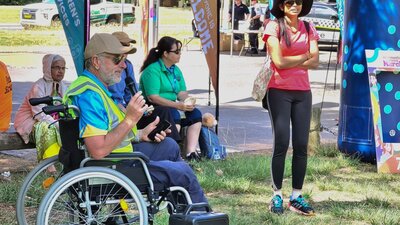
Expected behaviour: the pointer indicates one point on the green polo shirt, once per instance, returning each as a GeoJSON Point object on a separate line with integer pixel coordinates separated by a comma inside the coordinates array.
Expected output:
{"type": "Point", "coordinates": [156, 79]}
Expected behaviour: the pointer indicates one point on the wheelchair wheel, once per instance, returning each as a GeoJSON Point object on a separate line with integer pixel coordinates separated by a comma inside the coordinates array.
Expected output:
{"type": "Point", "coordinates": [93, 195]}
{"type": "Point", "coordinates": [34, 187]}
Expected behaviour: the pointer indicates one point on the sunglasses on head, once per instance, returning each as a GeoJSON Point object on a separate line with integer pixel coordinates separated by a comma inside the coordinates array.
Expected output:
{"type": "Point", "coordinates": [290, 3]}
{"type": "Point", "coordinates": [177, 51]}
{"type": "Point", "coordinates": [116, 59]}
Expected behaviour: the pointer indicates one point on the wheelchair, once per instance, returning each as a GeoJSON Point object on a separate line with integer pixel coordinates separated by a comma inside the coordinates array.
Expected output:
{"type": "Point", "coordinates": [117, 189]}
{"type": "Point", "coordinates": [37, 182]}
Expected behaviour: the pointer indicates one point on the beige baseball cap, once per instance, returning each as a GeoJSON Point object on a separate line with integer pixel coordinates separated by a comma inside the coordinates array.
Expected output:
{"type": "Point", "coordinates": [106, 43]}
{"type": "Point", "coordinates": [123, 37]}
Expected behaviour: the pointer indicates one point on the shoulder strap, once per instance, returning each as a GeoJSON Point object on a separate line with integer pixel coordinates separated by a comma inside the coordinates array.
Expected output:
{"type": "Point", "coordinates": [126, 70]}
{"type": "Point", "coordinates": [307, 24]}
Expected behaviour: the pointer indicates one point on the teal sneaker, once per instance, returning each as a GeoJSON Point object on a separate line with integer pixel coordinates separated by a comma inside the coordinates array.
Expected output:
{"type": "Point", "coordinates": [300, 206]}
{"type": "Point", "coordinates": [276, 205]}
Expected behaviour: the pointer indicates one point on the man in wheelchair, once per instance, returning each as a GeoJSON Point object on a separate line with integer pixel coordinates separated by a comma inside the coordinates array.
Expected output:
{"type": "Point", "coordinates": [106, 129]}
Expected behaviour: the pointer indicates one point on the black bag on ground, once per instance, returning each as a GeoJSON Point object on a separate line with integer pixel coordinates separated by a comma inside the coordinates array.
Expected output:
{"type": "Point", "coordinates": [207, 217]}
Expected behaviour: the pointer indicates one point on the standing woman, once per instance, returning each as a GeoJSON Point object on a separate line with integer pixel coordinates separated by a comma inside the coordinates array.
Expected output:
{"type": "Point", "coordinates": [293, 49]}
{"type": "Point", "coordinates": [163, 84]}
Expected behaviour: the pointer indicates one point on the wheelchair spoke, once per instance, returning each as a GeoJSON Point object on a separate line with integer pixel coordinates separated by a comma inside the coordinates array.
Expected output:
{"type": "Point", "coordinates": [95, 200]}
{"type": "Point", "coordinates": [34, 188]}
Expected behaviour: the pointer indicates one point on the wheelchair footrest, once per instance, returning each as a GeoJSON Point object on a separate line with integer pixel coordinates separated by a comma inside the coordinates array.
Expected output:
{"type": "Point", "coordinates": [203, 217]}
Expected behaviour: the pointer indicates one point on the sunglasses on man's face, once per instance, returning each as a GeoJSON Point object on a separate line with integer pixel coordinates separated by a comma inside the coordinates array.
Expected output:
{"type": "Point", "coordinates": [116, 59]}
{"type": "Point", "coordinates": [290, 3]}
{"type": "Point", "coordinates": [177, 51]}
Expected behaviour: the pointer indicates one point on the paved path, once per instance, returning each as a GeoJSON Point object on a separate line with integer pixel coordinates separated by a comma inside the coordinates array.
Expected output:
{"type": "Point", "coordinates": [243, 124]}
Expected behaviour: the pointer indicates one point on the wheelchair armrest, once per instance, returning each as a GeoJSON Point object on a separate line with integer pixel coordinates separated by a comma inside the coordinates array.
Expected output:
{"type": "Point", "coordinates": [132, 155]}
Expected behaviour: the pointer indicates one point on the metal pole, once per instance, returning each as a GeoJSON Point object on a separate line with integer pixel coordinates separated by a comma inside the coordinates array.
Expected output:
{"type": "Point", "coordinates": [232, 22]}
{"type": "Point", "coordinates": [122, 14]}
{"type": "Point", "coordinates": [156, 21]}
{"type": "Point", "coordinates": [209, 89]}
{"type": "Point", "coordinates": [86, 23]}
{"type": "Point", "coordinates": [217, 85]}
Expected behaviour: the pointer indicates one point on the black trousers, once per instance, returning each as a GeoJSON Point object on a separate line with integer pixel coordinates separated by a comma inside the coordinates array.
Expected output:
{"type": "Point", "coordinates": [287, 107]}
{"type": "Point", "coordinates": [253, 38]}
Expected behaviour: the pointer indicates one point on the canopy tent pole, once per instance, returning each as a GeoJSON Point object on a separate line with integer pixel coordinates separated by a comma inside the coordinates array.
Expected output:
{"type": "Point", "coordinates": [217, 80]}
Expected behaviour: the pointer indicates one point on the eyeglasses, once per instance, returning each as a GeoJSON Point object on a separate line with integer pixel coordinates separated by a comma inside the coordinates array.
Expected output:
{"type": "Point", "coordinates": [177, 51]}
{"type": "Point", "coordinates": [290, 3]}
{"type": "Point", "coordinates": [115, 59]}
{"type": "Point", "coordinates": [58, 68]}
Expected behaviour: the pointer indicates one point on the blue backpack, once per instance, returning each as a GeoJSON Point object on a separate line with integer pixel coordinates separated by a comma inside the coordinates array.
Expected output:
{"type": "Point", "coordinates": [209, 144]}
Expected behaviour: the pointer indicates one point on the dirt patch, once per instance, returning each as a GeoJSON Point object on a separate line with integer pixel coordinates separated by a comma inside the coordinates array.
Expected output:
{"type": "Point", "coordinates": [8, 214]}
{"type": "Point", "coordinates": [15, 164]}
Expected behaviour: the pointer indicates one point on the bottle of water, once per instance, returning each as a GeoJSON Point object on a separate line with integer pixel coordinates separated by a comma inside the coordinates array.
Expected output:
{"type": "Point", "coordinates": [216, 155]}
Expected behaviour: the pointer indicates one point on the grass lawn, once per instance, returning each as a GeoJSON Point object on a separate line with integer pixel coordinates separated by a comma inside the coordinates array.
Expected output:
{"type": "Point", "coordinates": [9, 14]}
{"type": "Point", "coordinates": [342, 191]}
{"type": "Point", "coordinates": [175, 22]}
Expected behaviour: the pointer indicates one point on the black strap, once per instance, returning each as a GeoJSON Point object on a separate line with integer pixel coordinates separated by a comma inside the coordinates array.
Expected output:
{"type": "Point", "coordinates": [307, 24]}
{"type": "Point", "coordinates": [126, 71]}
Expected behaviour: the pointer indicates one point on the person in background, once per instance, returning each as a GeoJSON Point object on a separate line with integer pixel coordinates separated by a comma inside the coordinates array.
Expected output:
{"type": "Point", "coordinates": [122, 95]}
{"type": "Point", "coordinates": [120, 92]}
{"type": "Point", "coordinates": [294, 50]}
{"type": "Point", "coordinates": [241, 12]}
{"type": "Point", "coordinates": [107, 129]}
{"type": "Point", "coordinates": [267, 18]}
{"type": "Point", "coordinates": [163, 84]}
{"type": "Point", "coordinates": [255, 24]}
{"type": "Point", "coordinates": [30, 122]}
{"type": "Point", "coordinates": [5, 97]}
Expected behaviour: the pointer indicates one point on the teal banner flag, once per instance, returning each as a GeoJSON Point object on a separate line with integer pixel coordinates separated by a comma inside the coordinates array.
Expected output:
{"type": "Point", "coordinates": [73, 16]}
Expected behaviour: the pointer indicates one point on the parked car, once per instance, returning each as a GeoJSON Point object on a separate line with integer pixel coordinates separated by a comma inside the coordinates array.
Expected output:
{"type": "Point", "coordinates": [101, 11]}
{"type": "Point", "coordinates": [325, 18]}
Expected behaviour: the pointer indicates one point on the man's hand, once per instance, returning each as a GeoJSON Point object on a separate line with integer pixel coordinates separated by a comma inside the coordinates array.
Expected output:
{"type": "Point", "coordinates": [159, 136]}
{"type": "Point", "coordinates": [135, 108]}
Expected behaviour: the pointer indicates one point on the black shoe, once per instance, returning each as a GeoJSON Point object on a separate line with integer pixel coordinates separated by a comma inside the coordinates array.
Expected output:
{"type": "Point", "coordinates": [263, 50]}
{"type": "Point", "coordinates": [254, 51]}
{"type": "Point", "coordinates": [194, 156]}
{"type": "Point", "coordinates": [300, 206]}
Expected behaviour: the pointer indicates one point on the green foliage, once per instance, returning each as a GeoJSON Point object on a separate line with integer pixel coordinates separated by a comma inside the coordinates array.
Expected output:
{"type": "Point", "coordinates": [327, 150]}
{"type": "Point", "coordinates": [9, 14]}
{"type": "Point", "coordinates": [32, 37]}
{"type": "Point", "coordinates": [18, 2]}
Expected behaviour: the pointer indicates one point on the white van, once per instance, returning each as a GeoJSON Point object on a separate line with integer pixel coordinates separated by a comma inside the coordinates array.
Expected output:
{"type": "Point", "coordinates": [101, 11]}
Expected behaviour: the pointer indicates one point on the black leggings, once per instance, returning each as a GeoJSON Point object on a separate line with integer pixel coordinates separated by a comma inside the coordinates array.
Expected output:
{"type": "Point", "coordinates": [286, 106]}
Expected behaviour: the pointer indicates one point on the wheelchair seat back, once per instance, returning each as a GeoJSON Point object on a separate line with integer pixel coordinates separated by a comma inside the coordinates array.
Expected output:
{"type": "Point", "coordinates": [70, 153]}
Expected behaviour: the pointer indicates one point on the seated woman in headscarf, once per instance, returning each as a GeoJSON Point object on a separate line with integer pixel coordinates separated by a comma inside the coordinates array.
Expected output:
{"type": "Point", "coordinates": [30, 123]}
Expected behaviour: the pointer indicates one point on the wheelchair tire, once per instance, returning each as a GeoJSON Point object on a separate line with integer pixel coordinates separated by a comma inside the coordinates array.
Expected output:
{"type": "Point", "coordinates": [93, 195]}
{"type": "Point", "coordinates": [32, 190]}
